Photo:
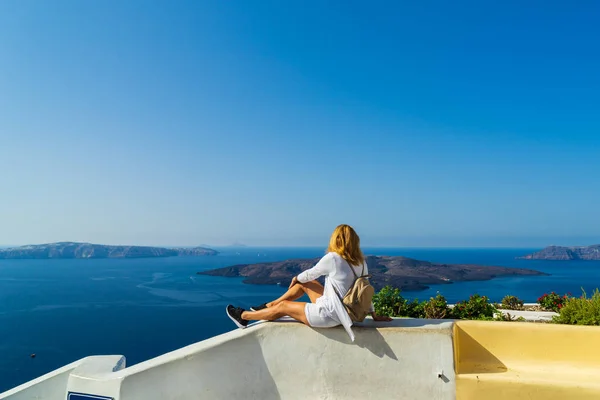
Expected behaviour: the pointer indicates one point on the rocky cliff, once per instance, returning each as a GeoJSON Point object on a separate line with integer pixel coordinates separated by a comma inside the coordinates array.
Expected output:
{"type": "Point", "coordinates": [561, 253]}
{"type": "Point", "coordinates": [402, 272]}
{"type": "Point", "coordinates": [88, 250]}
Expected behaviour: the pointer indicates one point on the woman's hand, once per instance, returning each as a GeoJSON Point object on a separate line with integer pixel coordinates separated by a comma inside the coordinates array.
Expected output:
{"type": "Point", "coordinates": [294, 281]}
{"type": "Point", "coordinates": [380, 318]}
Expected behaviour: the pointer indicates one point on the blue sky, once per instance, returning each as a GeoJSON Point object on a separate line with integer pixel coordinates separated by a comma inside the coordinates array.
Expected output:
{"type": "Point", "coordinates": [421, 123]}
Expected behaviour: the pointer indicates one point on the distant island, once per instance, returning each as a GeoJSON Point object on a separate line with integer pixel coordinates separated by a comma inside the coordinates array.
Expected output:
{"type": "Point", "coordinates": [562, 253]}
{"type": "Point", "coordinates": [401, 272]}
{"type": "Point", "coordinates": [89, 250]}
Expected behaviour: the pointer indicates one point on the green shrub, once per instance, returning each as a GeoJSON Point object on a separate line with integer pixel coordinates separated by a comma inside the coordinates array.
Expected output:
{"type": "Point", "coordinates": [414, 309]}
{"type": "Point", "coordinates": [580, 311]}
{"type": "Point", "coordinates": [576, 311]}
{"type": "Point", "coordinates": [512, 303]}
{"type": "Point", "coordinates": [507, 317]}
{"type": "Point", "coordinates": [436, 307]}
{"type": "Point", "coordinates": [477, 307]}
{"type": "Point", "coordinates": [552, 301]}
{"type": "Point", "coordinates": [389, 301]}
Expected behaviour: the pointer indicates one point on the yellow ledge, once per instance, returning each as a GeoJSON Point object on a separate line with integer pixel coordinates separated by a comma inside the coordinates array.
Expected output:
{"type": "Point", "coordinates": [510, 360]}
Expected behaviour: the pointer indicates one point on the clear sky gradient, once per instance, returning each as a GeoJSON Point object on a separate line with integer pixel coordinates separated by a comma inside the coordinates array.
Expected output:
{"type": "Point", "coordinates": [423, 123]}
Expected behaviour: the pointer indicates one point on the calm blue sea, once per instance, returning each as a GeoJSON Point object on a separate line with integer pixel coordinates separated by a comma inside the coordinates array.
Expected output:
{"type": "Point", "coordinates": [63, 310]}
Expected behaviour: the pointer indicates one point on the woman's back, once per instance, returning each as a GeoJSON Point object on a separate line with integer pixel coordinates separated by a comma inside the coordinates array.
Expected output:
{"type": "Point", "coordinates": [342, 276]}
{"type": "Point", "coordinates": [337, 270]}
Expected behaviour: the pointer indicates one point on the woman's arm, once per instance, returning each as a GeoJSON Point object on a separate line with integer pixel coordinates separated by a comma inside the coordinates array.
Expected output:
{"type": "Point", "coordinates": [323, 267]}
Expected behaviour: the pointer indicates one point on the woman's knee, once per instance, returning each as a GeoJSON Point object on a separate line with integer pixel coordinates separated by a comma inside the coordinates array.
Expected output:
{"type": "Point", "coordinates": [285, 307]}
{"type": "Point", "coordinates": [282, 305]}
{"type": "Point", "coordinates": [306, 284]}
{"type": "Point", "coordinates": [300, 286]}
{"type": "Point", "coordinates": [293, 309]}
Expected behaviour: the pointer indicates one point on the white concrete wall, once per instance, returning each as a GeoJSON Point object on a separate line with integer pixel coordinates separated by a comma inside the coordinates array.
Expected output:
{"type": "Point", "coordinates": [291, 361]}
{"type": "Point", "coordinates": [536, 316]}
{"type": "Point", "coordinates": [53, 386]}
{"type": "Point", "coordinates": [97, 376]}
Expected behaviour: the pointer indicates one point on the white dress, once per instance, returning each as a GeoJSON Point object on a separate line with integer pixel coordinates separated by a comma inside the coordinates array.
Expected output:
{"type": "Point", "coordinates": [328, 311]}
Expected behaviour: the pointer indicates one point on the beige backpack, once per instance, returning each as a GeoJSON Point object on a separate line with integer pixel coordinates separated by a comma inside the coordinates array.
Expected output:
{"type": "Point", "coordinates": [358, 299]}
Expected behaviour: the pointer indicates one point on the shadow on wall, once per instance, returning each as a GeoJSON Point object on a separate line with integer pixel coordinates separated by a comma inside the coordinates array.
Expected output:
{"type": "Point", "coordinates": [212, 374]}
{"type": "Point", "coordinates": [369, 339]}
{"type": "Point", "coordinates": [472, 358]}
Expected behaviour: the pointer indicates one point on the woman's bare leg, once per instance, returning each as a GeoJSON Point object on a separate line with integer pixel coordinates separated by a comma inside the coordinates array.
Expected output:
{"type": "Point", "coordinates": [293, 293]}
{"type": "Point", "coordinates": [294, 309]}
{"type": "Point", "coordinates": [313, 289]}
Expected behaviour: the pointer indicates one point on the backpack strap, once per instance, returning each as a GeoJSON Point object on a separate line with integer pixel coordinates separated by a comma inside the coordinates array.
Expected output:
{"type": "Point", "coordinates": [362, 275]}
{"type": "Point", "coordinates": [353, 282]}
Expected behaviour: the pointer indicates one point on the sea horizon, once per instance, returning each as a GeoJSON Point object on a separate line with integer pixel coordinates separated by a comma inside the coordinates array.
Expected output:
{"type": "Point", "coordinates": [229, 247]}
{"type": "Point", "coordinates": [566, 242]}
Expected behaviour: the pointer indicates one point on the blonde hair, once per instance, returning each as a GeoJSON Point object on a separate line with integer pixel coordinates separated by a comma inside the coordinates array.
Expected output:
{"type": "Point", "coordinates": [346, 243]}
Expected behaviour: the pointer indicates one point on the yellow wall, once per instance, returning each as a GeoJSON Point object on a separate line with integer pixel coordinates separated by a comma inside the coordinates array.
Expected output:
{"type": "Point", "coordinates": [512, 360]}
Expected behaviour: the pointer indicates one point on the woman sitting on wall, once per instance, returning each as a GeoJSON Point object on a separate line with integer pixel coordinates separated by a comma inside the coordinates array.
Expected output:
{"type": "Point", "coordinates": [343, 264]}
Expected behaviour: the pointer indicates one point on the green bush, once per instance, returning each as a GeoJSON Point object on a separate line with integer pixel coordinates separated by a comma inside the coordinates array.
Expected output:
{"type": "Point", "coordinates": [436, 307]}
{"type": "Point", "coordinates": [414, 309]}
{"type": "Point", "coordinates": [507, 317]}
{"type": "Point", "coordinates": [552, 301]}
{"type": "Point", "coordinates": [477, 307]}
{"type": "Point", "coordinates": [512, 303]}
{"type": "Point", "coordinates": [389, 301]}
{"type": "Point", "coordinates": [575, 311]}
{"type": "Point", "coordinates": [580, 311]}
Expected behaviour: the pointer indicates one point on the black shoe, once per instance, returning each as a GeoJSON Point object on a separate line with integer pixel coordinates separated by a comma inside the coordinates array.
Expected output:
{"type": "Point", "coordinates": [235, 313]}
{"type": "Point", "coordinates": [258, 308]}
